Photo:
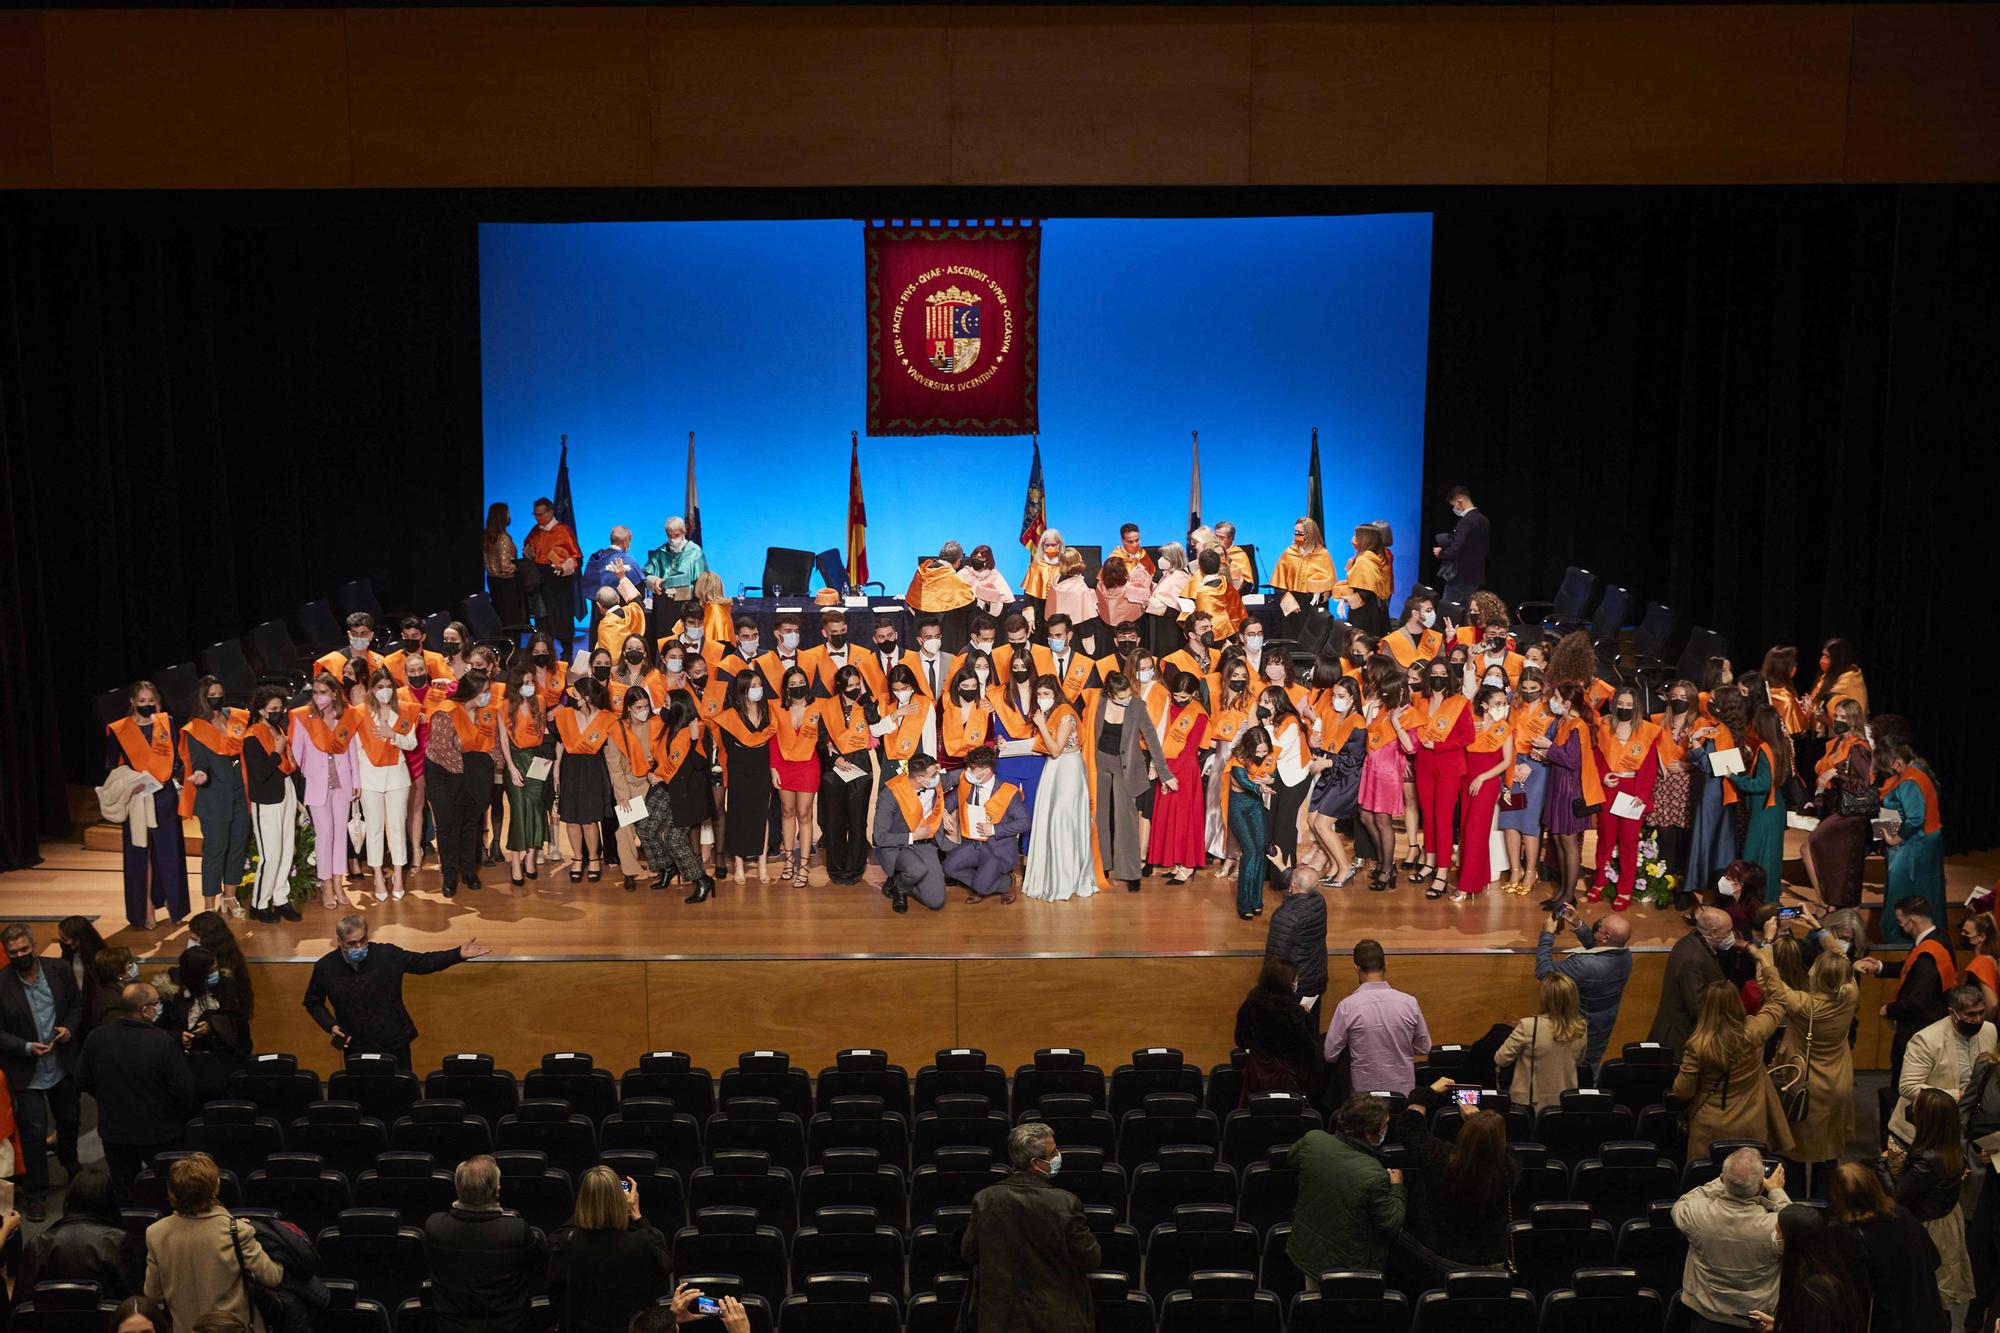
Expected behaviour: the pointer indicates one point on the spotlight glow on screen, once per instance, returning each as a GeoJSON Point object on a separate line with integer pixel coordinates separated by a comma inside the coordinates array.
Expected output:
{"type": "Point", "coordinates": [626, 336]}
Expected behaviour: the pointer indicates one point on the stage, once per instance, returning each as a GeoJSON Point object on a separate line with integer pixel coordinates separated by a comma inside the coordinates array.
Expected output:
{"type": "Point", "coordinates": [818, 969]}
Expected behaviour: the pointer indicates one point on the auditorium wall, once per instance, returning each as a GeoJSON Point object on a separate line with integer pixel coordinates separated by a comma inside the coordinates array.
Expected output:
{"type": "Point", "coordinates": [912, 1008]}
{"type": "Point", "coordinates": [931, 95]}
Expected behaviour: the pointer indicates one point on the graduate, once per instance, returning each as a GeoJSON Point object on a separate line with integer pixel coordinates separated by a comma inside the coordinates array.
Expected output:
{"type": "Point", "coordinates": [360, 635]}
{"type": "Point", "coordinates": [1630, 749]}
{"type": "Point", "coordinates": [825, 660]}
{"type": "Point", "coordinates": [968, 715]}
{"type": "Point", "coordinates": [1916, 841]}
{"type": "Point", "coordinates": [1342, 741]}
{"type": "Point", "coordinates": [385, 734]}
{"type": "Point", "coordinates": [1016, 631]}
{"type": "Point", "coordinates": [458, 765]}
{"type": "Point", "coordinates": [1073, 669]}
{"type": "Point", "coordinates": [1305, 573]}
{"type": "Point", "coordinates": [927, 661]}
{"type": "Point", "coordinates": [211, 762]}
{"type": "Point", "coordinates": [1177, 834]}
{"type": "Point", "coordinates": [1441, 775]}
{"type": "Point", "coordinates": [1248, 781]}
{"type": "Point", "coordinates": [583, 798]}
{"type": "Point", "coordinates": [850, 720]}
{"type": "Point", "coordinates": [1231, 709]}
{"type": "Point", "coordinates": [1767, 764]}
{"type": "Point", "coordinates": [783, 655]}
{"type": "Point", "coordinates": [940, 588]}
{"type": "Point", "coordinates": [794, 745]}
{"type": "Point", "coordinates": [1533, 729]}
{"type": "Point", "coordinates": [980, 836]}
{"type": "Point", "coordinates": [321, 730]}
{"type": "Point", "coordinates": [1415, 639]}
{"type": "Point", "coordinates": [646, 754]}
{"type": "Point", "coordinates": [913, 728]}
{"type": "Point", "coordinates": [524, 737]}
{"type": "Point", "coordinates": [1013, 699]}
{"type": "Point", "coordinates": [155, 852]}
{"type": "Point", "coordinates": [1216, 597]}
{"type": "Point", "coordinates": [1368, 583]}
{"type": "Point", "coordinates": [410, 646]}
{"type": "Point", "coordinates": [1197, 654]}
{"type": "Point", "coordinates": [746, 728]}
{"type": "Point", "coordinates": [274, 804]}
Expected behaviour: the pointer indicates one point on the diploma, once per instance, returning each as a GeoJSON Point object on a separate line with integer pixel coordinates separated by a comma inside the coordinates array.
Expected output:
{"type": "Point", "coordinates": [538, 768]}
{"type": "Point", "coordinates": [631, 812]}
{"type": "Point", "coordinates": [1726, 763]}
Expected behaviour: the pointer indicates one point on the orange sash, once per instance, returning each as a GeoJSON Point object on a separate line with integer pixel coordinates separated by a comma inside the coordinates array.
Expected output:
{"type": "Point", "coordinates": [846, 726]}
{"type": "Point", "coordinates": [1725, 739]}
{"type": "Point", "coordinates": [732, 721]}
{"type": "Point", "coordinates": [1837, 755]}
{"type": "Point", "coordinates": [397, 664]}
{"type": "Point", "coordinates": [936, 588]}
{"type": "Point", "coordinates": [325, 739]}
{"type": "Point", "coordinates": [1369, 572]}
{"type": "Point", "coordinates": [1093, 702]}
{"type": "Point", "coordinates": [644, 750]}
{"type": "Point", "coordinates": [1947, 970]}
{"type": "Point", "coordinates": [551, 690]}
{"type": "Point", "coordinates": [1257, 771]}
{"type": "Point", "coordinates": [1308, 571]}
{"type": "Point", "coordinates": [905, 793]}
{"type": "Point", "coordinates": [962, 736]}
{"type": "Point", "coordinates": [996, 804]}
{"type": "Point", "coordinates": [1491, 736]}
{"type": "Point", "coordinates": [796, 743]}
{"type": "Point", "coordinates": [1625, 756]}
{"type": "Point", "coordinates": [274, 744]}
{"type": "Point", "coordinates": [1079, 672]}
{"type": "Point", "coordinates": [1593, 786]}
{"type": "Point", "coordinates": [155, 756]}
{"type": "Point", "coordinates": [1334, 739]}
{"type": "Point", "coordinates": [1530, 724]}
{"type": "Point", "coordinates": [584, 740]}
{"type": "Point", "coordinates": [908, 736]}
{"type": "Point", "coordinates": [1175, 738]}
{"type": "Point", "coordinates": [1443, 718]}
{"type": "Point", "coordinates": [1398, 645]}
{"type": "Point", "coordinates": [381, 752]}
{"type": "Point", "coordinates": [527, 728]}
{"type": "Point", "coordinates": [1933, 817]}
{"type": "Point", "coordinates": [476, 726]}
{"type": "Point", "coordinates": [226, 739]}
{"type": "Point", "coordinates": [1771, 770]}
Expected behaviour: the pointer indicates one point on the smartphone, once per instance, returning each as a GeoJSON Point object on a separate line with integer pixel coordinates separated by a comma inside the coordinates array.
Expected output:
{"type": "Point", "coordinates": [1466, 1097]}
{"type": "Point", "coordinates": [1787, 913]}
{"type": "Point", "coordinates": [707, 1305]}
{"type": "Point", "coordinates": [1769, 1169]}
{"type": "Point", "coordinates": [625, 1185]}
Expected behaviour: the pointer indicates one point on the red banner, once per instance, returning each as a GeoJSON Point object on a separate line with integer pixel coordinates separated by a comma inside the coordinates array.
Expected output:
{"type": "Point", "coordinates": [951, 329]}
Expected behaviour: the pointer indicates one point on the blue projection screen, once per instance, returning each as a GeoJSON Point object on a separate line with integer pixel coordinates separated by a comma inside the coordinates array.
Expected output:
{"type": "Point", "coordinates": [626, 336]}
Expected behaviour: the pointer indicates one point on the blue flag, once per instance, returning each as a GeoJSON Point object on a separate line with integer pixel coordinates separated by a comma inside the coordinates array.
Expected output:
{"type": "Point", "coordinates": [1035, 511]}
{"type": "Point", "coordinates": [566, 513]}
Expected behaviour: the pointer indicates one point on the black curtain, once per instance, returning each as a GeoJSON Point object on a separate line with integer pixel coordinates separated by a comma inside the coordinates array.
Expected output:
{"type": "Point", "coordinates": [1772, 409]}
{"type": "Point", "coordinates": [204, 426]}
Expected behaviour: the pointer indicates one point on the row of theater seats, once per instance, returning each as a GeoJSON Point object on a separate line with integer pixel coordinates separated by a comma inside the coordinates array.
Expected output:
{"type": "Point", "coordinates": [1213, 1299]}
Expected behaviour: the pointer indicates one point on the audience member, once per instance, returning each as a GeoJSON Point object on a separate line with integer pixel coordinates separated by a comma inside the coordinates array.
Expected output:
{"type": "Point", "coordinates": [199, 1259]}
{"type": "Point", "coordinates": [1459, 1191]}
{"type": "Point", "coordinates": [80, 944]}
{"type": "Point", "coordinates": [1380, 1029]}
{"type": "Point", "coordinates": [218, 1322]}
{"type": "Point", "coordinates": [1814, 1048]}
{"type": "Point", "coordinates": [610, 1262]}
{"type": "Point", "coordinates": [1731, 1226]}
{"type": "Point", "coordinates": [111, 971]}
{"type": "Point", "coordinates": [1722, 1084]}
{"type": "Point", "coordinates": [483, 1258]}
{"type": "Point", "coordinates": [41, 1011]}
{"type": "Point", "coordinates": [1943, 1055]}
{"type": "Point", "coordinates": [85, 1244]}
{"type": "Point", "coordinates": [138, 1314]}
{"type": "Point", "coordinates": [1350, 1208]}
{"type": "Point", "coordinates": [356, 991]}
{"type": "Point", "coordinates": [1925, 1178]}
{"type": "Point", "coordinates": [1298, 933]}
{"type": "Point", "coordinates": [1543, 1048]}
{"type": "Point", "coordinates": [1924, 975]}
{"type": "Point", "coordinates": [1274, 1028]}
{"type": "Point", "coordinates": [1815, 1294]}
{"type": "Point", "coordinates": [1029, 1245]}
{"type": "Point", "coordinates": [1898, 1258]}
{"type": "Point", "coordinates": [1691, 969]}
{"type": "Point", "coordinates": [1600, 969]}
{"type": "Point", "coordinates": [142, 1082]}
{"type": "Point", "coordinates": [200, 1006]}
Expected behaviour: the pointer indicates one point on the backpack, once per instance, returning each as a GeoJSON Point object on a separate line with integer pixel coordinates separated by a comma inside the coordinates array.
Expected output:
{"type": "Point", "coordinates": [293, 1305]}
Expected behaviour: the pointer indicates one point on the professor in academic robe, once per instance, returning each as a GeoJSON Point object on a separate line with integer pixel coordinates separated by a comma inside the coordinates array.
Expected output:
{"type": "Point", "coordinates": [982, 828]}
{"type": "Point", "coordinates": [908, 814]}
{"type": "Point", "coordinates": [939, 588]}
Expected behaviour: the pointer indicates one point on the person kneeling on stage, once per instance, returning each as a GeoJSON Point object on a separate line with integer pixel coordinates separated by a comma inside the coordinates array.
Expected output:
{"type": "Point", "coordinates": [906, 829]}
{"type": "Point", "coordinates": [982, 839]}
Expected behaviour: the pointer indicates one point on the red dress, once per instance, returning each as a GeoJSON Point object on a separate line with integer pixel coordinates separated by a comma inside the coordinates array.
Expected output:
{"type": "Point", "coordinates": [1178, 836]}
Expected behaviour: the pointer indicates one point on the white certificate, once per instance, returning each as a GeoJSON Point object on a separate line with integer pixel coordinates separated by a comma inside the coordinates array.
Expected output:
{"type": "Point", "coordinates": [631, 812]}
{"type": "Point", "coordinates": [538, 768]}
{"type": "Point", "coordinates": [1015, 749]}
{"type": "Point", "coordinates": [1628, 806]}
{"type": "Point", "coordinates": [1724, 763]}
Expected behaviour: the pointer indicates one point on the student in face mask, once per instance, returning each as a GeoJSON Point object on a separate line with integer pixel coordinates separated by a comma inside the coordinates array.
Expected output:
{"type": "Point", "coordinates": [794, 753]}
{"type": "Point", "coordinates": [1629, 747]}
{"type": "Point", "coordinates": [204, 1009]}
{"type": "Point", "coordinates": [1533, 730]}
{"type": "Point", "coordinates": [387, 732]}
{"type": "Point", "coordinates": [1673, 790]}
{"type": "Point", "coordinates": [1417, 638]}
{"type": "Point", "coordinates": [1060, 864]}
{"type": "Point", "coordinates": [526, 762]}
{"type": "Point", "coordinates": [746, 727]}
{"type": "Point", "coordinates": [1844, 791]}
{"type": "Point", "coordinates": [211, 751]}
{"type": "Point", "coordinates": [967, 715]}
{"type": "Point", "coordinates": [847, 778]}
{"type": "Point", "coordinates": [267, 769]}
{"type": "Point", "coordinates": [1575, 789]}
{"type": "Point", "coordinates": [458, 768]}
{"type": "Point", "coordinates": [322, 738]}
{"type": "Point", "coordinates": [360, 648]}
{"type": "Point", "coordinates": [1440, 765]}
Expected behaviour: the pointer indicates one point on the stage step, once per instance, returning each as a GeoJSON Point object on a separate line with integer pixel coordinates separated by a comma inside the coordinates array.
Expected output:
{"type": "Point", "coordinates": [103, 837]}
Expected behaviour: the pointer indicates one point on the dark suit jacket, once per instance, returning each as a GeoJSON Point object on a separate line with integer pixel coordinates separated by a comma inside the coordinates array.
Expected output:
{"type": "Point", "coordinates": [1032, 1249]}
{"type": "Point", "coordinates": [1691, 966]}
{"type": "Point", "coordinates": [17, 1022]}
{"type": "Point", "coordinates": [1919, 1000]}
{"type": "Point", "coordinates": [1465, 547]}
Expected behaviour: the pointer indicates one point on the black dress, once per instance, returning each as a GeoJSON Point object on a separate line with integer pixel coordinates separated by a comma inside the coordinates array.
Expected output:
{"type": "Point", "coordinates": [749, 766]}
{"type": "Point", "coordinates": [585, 795]}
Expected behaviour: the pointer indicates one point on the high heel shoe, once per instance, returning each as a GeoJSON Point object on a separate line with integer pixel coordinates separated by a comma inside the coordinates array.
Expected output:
{"type": "Point", "coordinates": [660, 881]}
{"type": "Point", "coordinates": [704, 889]}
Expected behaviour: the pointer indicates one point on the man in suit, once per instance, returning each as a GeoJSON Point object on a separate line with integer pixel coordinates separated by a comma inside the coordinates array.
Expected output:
{"type": "Point", "coordinates": [1926, 974]}
{"type": "Point", "coordinates": [982, 830]}
{"type": "Point", "coordinates": [907, 817]}
{"type": "Point", "coordinates": [1942, 1055]}
{"type": "Point", "coordinates": [40, 1012]}
{"type": "Point", "coordinates": [1029, 1244]}
{"type": "Point", "coordinates": [1461, 553]}
{"type": "Point", "coordinates": [1691, 966]}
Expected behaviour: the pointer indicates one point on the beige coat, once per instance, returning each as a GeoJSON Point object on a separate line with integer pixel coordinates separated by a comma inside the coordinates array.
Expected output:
{"type": "Point", "coordinates": [1932, 1061]}
{"type": "Point", "coordinates": [1741, 1104]}
{"type": "Point", "coordinates": [191, 1267]}
{"type": "Point", "coordinates": [1828, 1060]}
{"type": "Point", "coordinates": [1544, 1067]}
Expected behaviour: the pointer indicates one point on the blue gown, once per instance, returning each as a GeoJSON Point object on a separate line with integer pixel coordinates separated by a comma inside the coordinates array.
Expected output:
{"type": "Point", "coordinates": [1024, 771]}
{"type": "Point", "coordinates": [1712, 844]}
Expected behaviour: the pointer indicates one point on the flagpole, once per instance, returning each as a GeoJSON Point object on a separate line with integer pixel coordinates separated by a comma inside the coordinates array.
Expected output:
{"type": "Point", "coordinates": [1194, 483]}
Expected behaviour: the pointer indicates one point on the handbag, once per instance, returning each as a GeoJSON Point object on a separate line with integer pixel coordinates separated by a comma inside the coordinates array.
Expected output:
{"type": "Point", "coordinates": [1583, 809]}
{"type": "Point", "coordinates": [1863, 804]}
{"type": "Point", "coordinates": [1793, 1081]}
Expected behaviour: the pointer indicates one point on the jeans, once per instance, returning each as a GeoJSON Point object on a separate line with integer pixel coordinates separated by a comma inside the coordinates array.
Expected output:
{"type": "Point", "coordinates": [34, 1109]}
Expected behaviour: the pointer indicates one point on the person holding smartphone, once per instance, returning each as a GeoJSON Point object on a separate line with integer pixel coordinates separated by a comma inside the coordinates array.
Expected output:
{"type": "Point", "coordinates": [609, 1263]}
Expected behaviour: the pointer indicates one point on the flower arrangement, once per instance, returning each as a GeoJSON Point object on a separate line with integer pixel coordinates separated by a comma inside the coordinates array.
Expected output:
{"type": "Point", "coordinates": [1655, 887]}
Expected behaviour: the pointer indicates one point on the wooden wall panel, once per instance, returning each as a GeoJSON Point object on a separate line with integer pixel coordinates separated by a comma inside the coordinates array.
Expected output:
{"type": "Point", "coordinates": [1399, 96]}
{"type": "Point", "coordinates": [500, 97]}
{"type": "Point", "coordinates": [1107, 1006]}
{"type": "Point", "coordinates": [224, 98]}
{"type": "Point", "coordinates": [808, 1007]}
{"type": "Point", "coordinates": [24, 102]}
{"type": "Point", "coordinates": [802, 96]}
{"type": "Point", "coordinates": [1924, 95]}
{"type": "Point", "coordinates": [1698, 94]}
{"type": "Point", "coordinates": [1059, 96]}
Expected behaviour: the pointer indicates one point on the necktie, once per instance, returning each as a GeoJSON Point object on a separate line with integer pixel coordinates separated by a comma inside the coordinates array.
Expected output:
{"type": "Point", "coordinates": [932, 669]}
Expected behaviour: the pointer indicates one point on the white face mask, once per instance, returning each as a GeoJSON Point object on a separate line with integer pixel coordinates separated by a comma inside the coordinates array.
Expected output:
{"type": "Point", "coordinates": [788, 640]}
{"type": "Point", "coordinates": [1253, 641]}
{"type": "Point", "coordinates": [1497, 682]}
{"type": "Point", "coordinates": [1045, 701]}
{"type": "Point", "coordinates": [358, 645]}
{"type": "Point", "coordinates": [1342, 704]}
{"type": "Point", "coordinates": [747, 648]}
{"type": "Point", "coordinates": [979, 779]}
{"type": "Point", "coordinates": [983, 674]}
{"type": "Point", "coordinates": [754, 693]}
{"type": "Point", "coordinates": [932, 645]}
{"type": "Point", "coordinates": [1498, 712]}
{"type": "Point", "coordinates": [691, 636]}
{"type": "Point", "coordinates": [385, 692]}
{"type": "Point", "coordinates": [673, 665]}
{"type": "Point", "coordinates": [640, 715]}
{"type": "Point", "coordinates": [902, 694]}
{"type": "Point", "coordinates": [485, 698]}
{"type": "Point", "coordinates": [1557, 707]}
{"type": "Point", "coordinates": [1146, 675]}
{"type": "Point", "coordinates": [1429, 617]}
{"type": "Point", "coordinates": [677, 544]}
{"type": "Point", "coordinates": [1726, 886]}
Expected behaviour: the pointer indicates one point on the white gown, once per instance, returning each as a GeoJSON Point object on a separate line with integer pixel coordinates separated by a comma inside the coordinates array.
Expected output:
{"type": "Point", "coordinates": [1059, 861]}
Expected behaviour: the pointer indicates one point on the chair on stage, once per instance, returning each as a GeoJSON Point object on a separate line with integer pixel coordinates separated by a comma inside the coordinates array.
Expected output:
{"type": "Point", "coordinates": [317, 622]}
{"type": "Point", "coordinates": [787, 573]}
{"type": "Point", "coordinates": [833, 572]}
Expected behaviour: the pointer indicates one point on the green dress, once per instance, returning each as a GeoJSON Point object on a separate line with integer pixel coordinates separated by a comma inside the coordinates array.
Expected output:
{"type": "Point", "coordinates": [1764, 841]}
{"type": "Point", "coordinates": [527, 804]}
{"type": "Point", "coordinates": [1916, 865]}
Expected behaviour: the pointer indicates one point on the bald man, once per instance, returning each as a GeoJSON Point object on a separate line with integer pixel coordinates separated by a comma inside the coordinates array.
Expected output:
{"type": "Point", "coordinates": [1691, 966]}
{"type": "Point", "coordinates": [1600, 968]}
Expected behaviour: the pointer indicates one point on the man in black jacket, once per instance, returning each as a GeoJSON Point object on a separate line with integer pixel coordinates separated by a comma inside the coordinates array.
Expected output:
{"type": "Point", "coordinates": [1029, 1244]}
{"type": "Point", "coordinates": [1921, 991]}
{"type": "Point", "coordinates": [142, 1083]}
{"type": "Point", "coordinates": [363, 984]}
{"type": "Point", "coordinates": [1691, 967]}
{"type": "Point", "coordinates": [1461, 553]}
{"type": "Point", "coordinates": [41, 1010]}
{"type": "Point", "coordinates": [1298, 934]}
{"type": "Point", "coordinates": [482, 1257]}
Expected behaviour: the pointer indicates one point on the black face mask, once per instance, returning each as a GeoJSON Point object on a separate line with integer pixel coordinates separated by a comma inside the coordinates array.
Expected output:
{"type": "Point", "coordinates": [1677, 706]}
{"type": "Point", "coordinates": [1265, 711]}
{"type": "Point", "coordinates": [796, 692]}
{"type": "Point", "coordinates": [1206, 638]}
{"type": "Point", "coordinates": [1622, 714]}
{"type": "Point", "coordinates": [413, 647]}
{"type": "Point", "coordinates": [1966, 1029]}
{"type": "Point", "coordinates": [217, 703]}
{"type": "Point", "coordinates": [1440, 684]}
{"type": "Point", "coordinates": [540, 659]}
{"type": "Point", "coordinates": [452, 646]}
{"type": "Point", "coordinates": [1842, 728]}
{"type": "Point", "coordinates": [635, 659]}
{"type": "Point", "coordinates": [1125, 646]}
{"type": "Point", "coordinates": [602, 673]}
{"type": "Point", "coordinates": [416, 682]}
{"type": "Point", "coordinates": [274, 718]}
{"type": "Point", "coordinates": [854, 691]}
{"type": "Point", "coordinates": [1529, 696]}
{"type": "Point", "coordinates": [1239, 682]}
{"type": "Point", "coordinates": [145, 711]}
{"type": "Point", "coordinates": [1019, 671]}
{"type": "Point", "coordinates": [23, 964]}
{"type": "Point", "coordinates": [968, 691]}
{"type": "Point", "coordinates": [836, 641]}
{"type": "Point", "coordinates": [1356, 659]}
{"type": "Point", "coordinates": [885, 645]}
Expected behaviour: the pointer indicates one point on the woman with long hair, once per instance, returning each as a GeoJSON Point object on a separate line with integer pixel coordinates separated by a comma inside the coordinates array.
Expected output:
{"type": "Point", "coordinates": [204, 1009]}
{"type": "Point", "coordinates": [1926, 1178]}
{"type": "Point", "coordinates": [524, 736]}
{"type": "Point", "coordinates": [1440, 765]}
{"type": "Point", "coordinates": [1628, 745]}
{"type": "Point", "coordinates": [1722, 1081]}
{"type": "Point", "coordinates": [385, 735]}
{"type": "Point", "coordinates": [1575, 791]}
{"type": "Point", "coordinates": [1534, 729]}
{"type": "Point", "coordinates": [79, 942]}
{"type": "Point", "coordinates": [794, 750]}
{"type": "Point", "coordinates": [321, 731]}
{"type": "Point", "coordinates": [847, 778]}
{"type": "Point", "coordinates": [1061, 863]}
{"type": "Point", "coordinates": [1458, 1211]}
{"type": "Point", "coordinates": [1233, 705]}
{"type": "Point", "coordinates": [583, 783]}
{"type": "Point", "coordinates": [1900, 1268]}
{"type": "Point", "coordinates": [746, 728]}
{"type": "Point", "coordinates": [1368, 584]}
{"type": "Point", "coordinates": [1163, 602]}
{"type": "Point", "coordinates": [1247, 776]}
{"type": "Point", "coordinates": [1916, 842]}
{"type": "Point", "coordinates": [211, 755]}
{"type": "Point", "coordinates": [1839, 678]}
{"type": "Point", "coordinates": [1981, 934]}
{"type": "Point", "coordinates": [156, 865]}
{"type": "Point", "coordinates": [1071, 596]}
{"type": "Point", "coordinates": [1672, 811]}
{"type": "Point", "coordinates": [211, 930]}
{"type": "Point", "coordinates": [1846, 800]}
{"type": "Point", "coordinates": [645, 753]}
{"type": "Point", "coordinates": [1815, 1294]}
{"type": "Point", "coordinates": [274, 804]}
{"type": "Point", "coordinates": [1381, 798]}
{"type": "Point", "coordinates": [1767, 766]}
{"type": "Point", "coordinates": [498, 553]}
{"type": "Point", "coordinates": [1293, 757]}
{"type": "Point", "coordinates": [1336, 799]}
{"type": "Point", "coordinates": [1304, 573]}
{"type": "Point", "coordinates": [458, 769]}
{"type": "Point", "coordinates": [1281, 1039]}
{"type": "Point", "coordinates": [1814, 1048]}
{"type": "Point", "coordinates": [1489, 759]}
{"type": "Point", "coordinates": [1722, 726]}
{"type": "Point", "coordinates": [1544, 1047]}
{"type": "Point", "coordinates": [608, 1263]}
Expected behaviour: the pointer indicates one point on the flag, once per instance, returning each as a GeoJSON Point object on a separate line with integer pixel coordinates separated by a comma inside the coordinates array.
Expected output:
{"type": "Point", "coordinates": [1315, 504]}
{"type": "Point", "coordinates": [1035, 512]}
{"type": "Point", "coordinates": [857, 516]}
{"type": "Point", "coordinates": [691, 508]}
{"type": "Point", "coordinates": [566, 514]}
{"type": "Point", "coordinates": [1194, 485]}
